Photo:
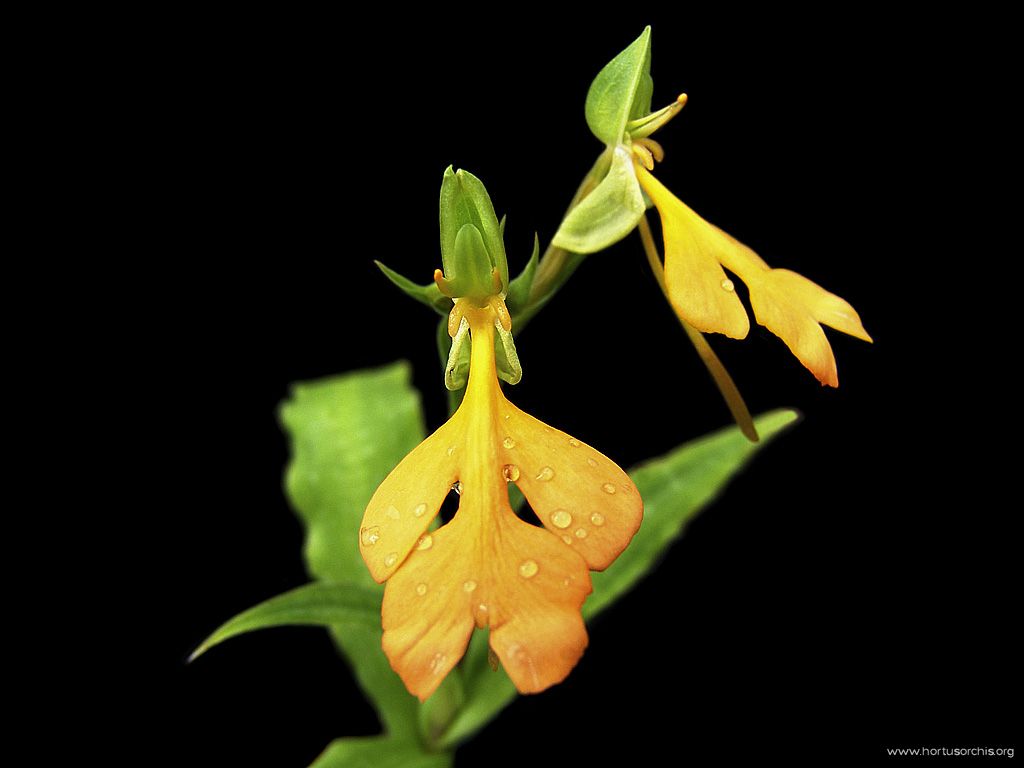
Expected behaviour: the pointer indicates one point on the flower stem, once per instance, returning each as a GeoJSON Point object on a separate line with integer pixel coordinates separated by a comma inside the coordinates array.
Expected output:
{"type": "Point", "coordinates": [557, 264]}
{"type": "Point", "coordinates": [730, 392]}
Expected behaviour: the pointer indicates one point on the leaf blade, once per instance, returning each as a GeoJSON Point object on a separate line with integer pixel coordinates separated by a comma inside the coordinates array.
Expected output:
{"type": "Point", "coordinates": [315, 604]}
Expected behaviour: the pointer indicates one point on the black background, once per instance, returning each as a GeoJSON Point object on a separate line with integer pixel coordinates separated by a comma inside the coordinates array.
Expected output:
{"type": "Point", "coordinates": [850, 591]}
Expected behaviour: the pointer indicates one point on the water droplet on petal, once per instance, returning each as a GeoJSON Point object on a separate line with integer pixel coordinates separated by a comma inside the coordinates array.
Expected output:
{"type": "Point", "coordinates": [608, 488]}
{"type": "Point", "coordinates": [510, 473]}
{"type": "Point", "coordinates": [425, 542]}
{"type": "Point", "coordinates": [482, 615]}
{"type": "Point", "coordinates": [728, 285]}
{"type": "Point", "coordinates": [591, 462]}
{"type": "Point", "coordinates": [546, 473]}
{"type": "Point", "coordinates": [369, 536]}
{"type": "Point", "coordinates": [451, 450]}
{"type": "Point", "coordinates": [566, 582]}
{"type": "Point", "coordinates": [469, 586]}
{"type": "Point", "coordinates": [597, 518]}
{"type": "Point", "coordinates": [421, 509]}
{"type": "Point", "coordinates": [421, 589]}
{"type": "Point", "coordinates": [528, 569]}
{"type": "Point", "coordinates": [457, 487]}
{"type": "Point", "coordinates": [560, 518]}
{"type": "Point", "coordinates": [574, 442]}
{"type": "Point", "coordinates": [567, 538]}
{"type": "Point", "coordinates": [581, 533]}
{"type": "Point", "coordinates": [437, 663]}
{"type": "Point", "coordinates": [392, 513]}
{"type": "Point", "coordinates": [391, 559]}
{"type": "Point", "coordinates": [508, 442]}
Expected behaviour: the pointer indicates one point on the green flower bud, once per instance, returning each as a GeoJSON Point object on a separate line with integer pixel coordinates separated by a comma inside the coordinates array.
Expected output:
{"type": "Point", "coordinates": [472, 250]}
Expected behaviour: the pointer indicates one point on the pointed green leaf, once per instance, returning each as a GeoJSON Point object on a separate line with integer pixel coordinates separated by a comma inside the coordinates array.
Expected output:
{"type": "Point", "coordinates": [519, 289]}
{"type": "Point", "coordinates": [607, 214]}
{"type": "Point", "coordinates": [347, 433]}
{"type": "Point", "coordinates": [675, 487]}
{"type": "Point", "coordinates": [380, 752]}
{"type": "Point", "coordinates": [314, 604]}
{"type": "Point", "coordinates": [621, 89]}
{"type": "Point", "coordinates": [425, 294]}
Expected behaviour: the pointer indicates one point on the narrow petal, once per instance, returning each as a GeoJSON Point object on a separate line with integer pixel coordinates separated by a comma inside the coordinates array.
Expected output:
{"type": "Point", "coordinates": [791, 306]}
{"type": "Point", "coordinates": [427, 611]}
{"type": "Point", "coordinates": [408, 499]}
{"type": "Point", "coordinates": [698, 288]}
{"type": "Point", "coordinates": [578, 493]}
{"type": "Point", "coordinates": [538, 588]}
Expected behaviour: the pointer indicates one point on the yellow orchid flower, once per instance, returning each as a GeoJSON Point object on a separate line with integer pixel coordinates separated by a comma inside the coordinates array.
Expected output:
{"type": "Point", "coordinates": [786, 303]}
{"type": "Point", "coordinates": [487, 568]}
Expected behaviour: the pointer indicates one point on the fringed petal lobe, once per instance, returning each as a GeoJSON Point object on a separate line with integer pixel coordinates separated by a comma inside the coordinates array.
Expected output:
{"type": "Point", "coordinates": [698, 288]}
{"type": "Point", "coordinates": [577, 493]}
{"type": "Point", "coordinates": [407, 501]}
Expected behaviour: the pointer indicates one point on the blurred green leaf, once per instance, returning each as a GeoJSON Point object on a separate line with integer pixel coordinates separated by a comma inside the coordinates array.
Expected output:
{"type": "Point", "coordinates": [311, 604]}
{"type": "Point", "coordinates": [347, 433]}
{"type": "Point", "coordinates": [620, 90]}
{"type": "Point", "coordinates": [380, 752]}
{"type": "Point", "coordinates": [607, 214]}
{"type": "Point", "coordinates": [675, 487]}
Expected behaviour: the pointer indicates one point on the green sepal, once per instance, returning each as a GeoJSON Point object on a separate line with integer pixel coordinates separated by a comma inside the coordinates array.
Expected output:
{"type": "Point", "coordinates": [464, 201]}
{"type": "Point", "coordinates": [315, 604]}
{"type": "Point", "coordinates": [621, 91]}
{"type": "Point", "coordinates": [456, 370]}
{"type": "Point", "coordinates": [607, 214]}
{"type": "Point", "coordinates": [428, 294]}
{"type": "Point", "coordinates": [519, 289]}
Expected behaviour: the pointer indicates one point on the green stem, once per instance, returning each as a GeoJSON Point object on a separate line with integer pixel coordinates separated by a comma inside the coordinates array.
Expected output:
{"type": "Point", "coordinates": [730, 392]}
{"type": "Point", "coordinates": [557, 265]}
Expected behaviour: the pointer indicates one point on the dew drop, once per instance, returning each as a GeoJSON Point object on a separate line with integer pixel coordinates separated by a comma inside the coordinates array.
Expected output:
{"type": "Point", "coordinates": [574, 442]}
{"type": "Point", "coordinates": [567, 538]}
{"type": "Point", "coordinates": [608, 488]}
{"type": "Point", "coordinates": [508, 416]}
{"type": "Point", "coordinates": [510, 473]}
{"type": "Point", "coordinates": [528, 569]}
{"type": "Point", "coordinates": [469, 586]}
{"type": "Point", "coordinates": [728, 285]}
{"type": "Point", "coordinates": [370, 536]}
{"type": "Point", "coordinates": [566, 582]}
{"type": "Point", "coordinates": [425, 542]}
{"type": "Point", "coordinates": [421, 589]}
{"type": "Point", "coordinates": [546, 473]}
{"type": "Point", "coordinates": [508, 442]}
{"type": "Point", "coordinates": [437, 663]}
{"type": "Point", "coordinates": [392, 513]}
{"type": "Point", "coordinates": [451, 450]}
{"type": "Point", "coordinates": [597, 518]}
{"type": "Point", "coordinates": [560, 518]}
{"type": "Point", "coordinates": [591, 462]}
{"type": "Point", "coordinates": [457, 487]}
{"type": "Point", "coordinates": [421, 509]}
{"type": "Point", "coordinates": [581, 533]}
{"type": "Point", "coordinates": [482, 615]}
{"type": "Point", "coordinates": [391, 559]}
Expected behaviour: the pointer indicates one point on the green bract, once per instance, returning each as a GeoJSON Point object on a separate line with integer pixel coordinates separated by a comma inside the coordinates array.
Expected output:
{"type": "Point", "coordinates": [471, 243]}
{"type": "Point", "coordinates": [621, 91]}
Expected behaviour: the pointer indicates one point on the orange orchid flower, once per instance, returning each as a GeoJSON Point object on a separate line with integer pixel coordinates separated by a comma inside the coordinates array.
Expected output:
{"type": "Point", "coordinates": [786, 303]}
{"type": "Point", "coordinates": [487, 568]}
